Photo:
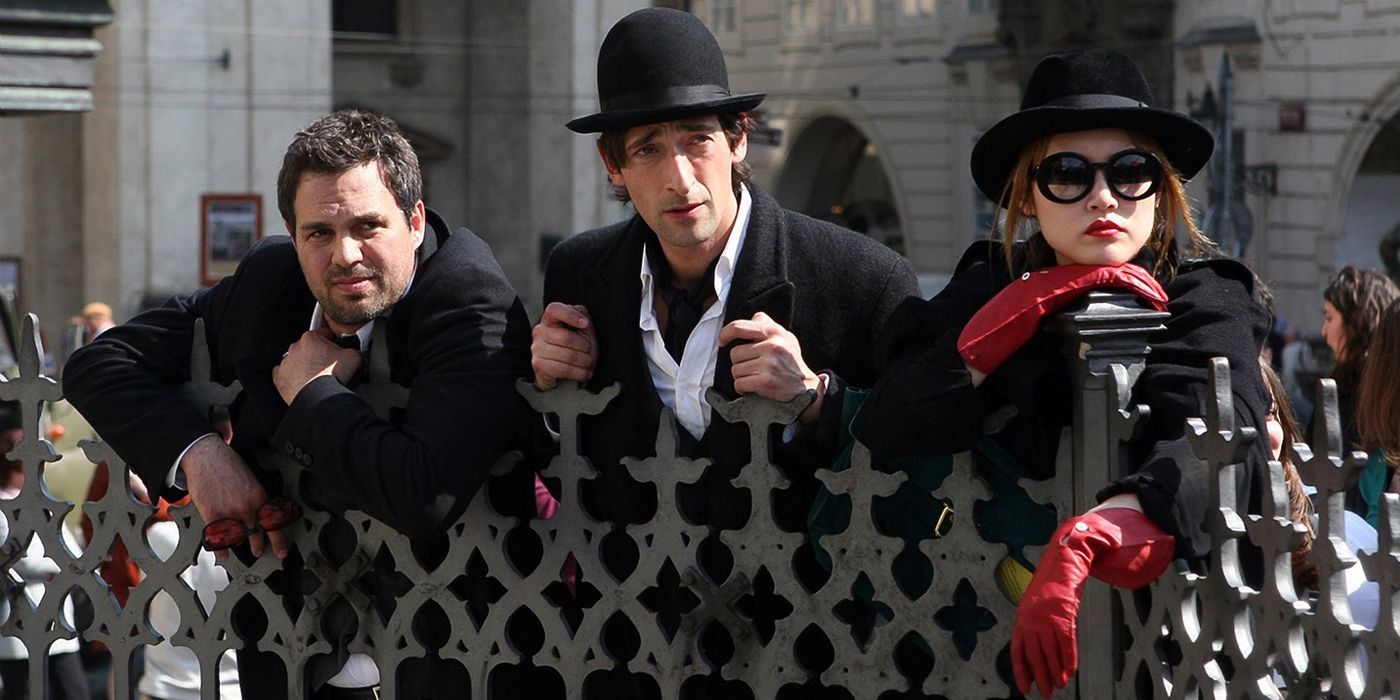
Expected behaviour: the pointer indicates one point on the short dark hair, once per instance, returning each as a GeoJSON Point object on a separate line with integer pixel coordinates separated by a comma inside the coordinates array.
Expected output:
{"type": "Point", "coordinates": [733, 124]}
{"type": "Point", "coordinates": [343, 140]}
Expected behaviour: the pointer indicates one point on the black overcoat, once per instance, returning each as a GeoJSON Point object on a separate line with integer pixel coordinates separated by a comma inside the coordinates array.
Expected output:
{"type": "Point", "coordinates": [458, 340]}
{"type": "Point", "coordinates": [925, 402]}
{"type": "Point", "coordinates": [831, 287]}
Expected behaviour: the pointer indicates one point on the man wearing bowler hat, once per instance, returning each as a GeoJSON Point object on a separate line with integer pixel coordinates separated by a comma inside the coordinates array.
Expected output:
{"type": "Point", "coordinates": [710, 283]}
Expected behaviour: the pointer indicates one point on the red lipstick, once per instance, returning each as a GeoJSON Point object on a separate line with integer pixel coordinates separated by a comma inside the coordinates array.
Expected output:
{"type": "Point", "coordinates": [1103, 228]}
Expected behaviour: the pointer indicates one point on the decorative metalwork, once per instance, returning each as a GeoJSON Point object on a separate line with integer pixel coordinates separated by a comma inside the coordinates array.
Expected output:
{"type": "Point", "coordinates": [1185, 636]}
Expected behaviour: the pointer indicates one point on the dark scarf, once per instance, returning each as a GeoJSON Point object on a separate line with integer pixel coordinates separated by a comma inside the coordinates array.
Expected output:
{"type": "Point", "coordinates": [684, 305]}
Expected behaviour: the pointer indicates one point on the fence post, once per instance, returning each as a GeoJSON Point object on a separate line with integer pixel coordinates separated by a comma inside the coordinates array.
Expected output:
{"type": "Point", "coordinates": [1106, 345]}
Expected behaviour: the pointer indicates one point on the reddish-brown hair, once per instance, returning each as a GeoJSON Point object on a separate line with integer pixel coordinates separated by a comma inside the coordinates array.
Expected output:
{"type": "Point", "coordinates": [1377, 401]}
{"type": "Point", "coordinates": [1300, 508]}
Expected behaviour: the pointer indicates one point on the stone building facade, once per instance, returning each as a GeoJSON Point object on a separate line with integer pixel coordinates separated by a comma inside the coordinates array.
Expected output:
{"type": "Point", "coordinates": [483, 89]}
{"type": "Point", "coordinates": [188, 99]}
{"type": "Point", "coordinates": [872, 112]}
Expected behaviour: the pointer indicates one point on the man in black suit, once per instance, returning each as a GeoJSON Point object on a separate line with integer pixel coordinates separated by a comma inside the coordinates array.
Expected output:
{"type": "Point", "coordinates": [290, 325]}
{"type": "Point", "coordinates": [711, 283]}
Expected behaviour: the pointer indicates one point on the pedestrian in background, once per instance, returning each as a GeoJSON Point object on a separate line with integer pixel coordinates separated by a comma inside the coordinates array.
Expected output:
{"type": "Point", "coordinates": [66, 679]}
{"type": "Point", "coordinates": [1351, 309]}
{"type": "Point", "coordinates": [97, 319]}
{"type": "Point", "coordinates": [1378, 402]}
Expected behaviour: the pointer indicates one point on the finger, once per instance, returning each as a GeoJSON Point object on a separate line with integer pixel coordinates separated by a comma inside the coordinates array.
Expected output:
{"type": "Point", "coordinates": [564, 314]}
{"type": "Point", "coordinates": [746, 352]}
{"type": "Point", "coordinates": [278, 540]}
{"type": "Point", "coordinates": [552, 371]}
{"type": "Point", "coordinates": [1035, 656]}
{"type": "Point", "coordinates": [225, 427]}
{"type": "Point", "coordinates": [563, 357]}
{"type": "Point", "coordinates": [255, 543]}
{"type": "Point", "coordinates": [1069, 659]}
{"type": "Point", "coordinates": [1018, 662]}
{"type": "Point", "coordinates": [322, 332]}
{"type": "Point", "coordinates": [742, 330]}
{"type": "Point", "coordinates": [1054, 670]}
{"type": "Point", "coordinates": [564, 337]}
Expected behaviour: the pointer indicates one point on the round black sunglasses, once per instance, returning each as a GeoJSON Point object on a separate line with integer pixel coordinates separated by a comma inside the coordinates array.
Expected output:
{"type": "Point", "coordinates": [1067, 177]}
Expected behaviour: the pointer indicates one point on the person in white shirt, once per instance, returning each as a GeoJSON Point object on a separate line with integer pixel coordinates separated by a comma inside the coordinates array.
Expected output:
{"type": "Point", "coordinates": [710, 284]}
{"type": "Point", "coordinates": [66, 680]}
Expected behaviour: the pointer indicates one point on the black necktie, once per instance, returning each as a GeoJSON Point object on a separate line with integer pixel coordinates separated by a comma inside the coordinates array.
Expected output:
{"type": "Point", "coordinates": [684, 306]}
{"type": "Point", "coordinates": [352, 342]}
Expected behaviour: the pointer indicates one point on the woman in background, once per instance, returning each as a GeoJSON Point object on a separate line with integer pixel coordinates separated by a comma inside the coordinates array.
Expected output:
{"type": "Point", "coordinates": [1351, 308]}
{"type": "Point", "coordinates": [1378, 401]}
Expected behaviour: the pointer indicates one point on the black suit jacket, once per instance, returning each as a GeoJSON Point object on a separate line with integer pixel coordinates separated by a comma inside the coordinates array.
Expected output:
{"type": "Point", "coordinates": [831, 287]}
{"type": "Point", "coordinates": [458, 340]}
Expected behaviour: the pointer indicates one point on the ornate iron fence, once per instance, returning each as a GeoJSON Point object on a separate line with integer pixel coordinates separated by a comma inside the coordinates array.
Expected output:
{"type": "Point", "coordinates": [1188, 635]}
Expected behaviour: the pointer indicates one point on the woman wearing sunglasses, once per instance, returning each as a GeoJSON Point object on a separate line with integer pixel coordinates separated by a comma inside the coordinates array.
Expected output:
{"type": "Point", "coordinates": [1094, 174]}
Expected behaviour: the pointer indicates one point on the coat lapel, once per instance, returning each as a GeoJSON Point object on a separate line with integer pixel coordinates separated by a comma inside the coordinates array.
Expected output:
{"type": "Point", "coordinates": [617, 288]}
{"type": "Point", "coordinates": [283, 320]}
{"type": "Point", "coordinates": [760, 281]}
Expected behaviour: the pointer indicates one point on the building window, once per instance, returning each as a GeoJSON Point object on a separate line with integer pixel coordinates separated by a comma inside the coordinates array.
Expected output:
{"type": "Point", "coordinates": [365, 16]}
{"type": "Point", "coordinates": [856, 13]}
{"type": "Point", "coordinates": [800, 16]}
{"type": "Point", "coordinates": [724, 16]}
{"type": "Point", "coordinates": [918, 9]}
{"type": "Point", "coordinates": [981, 7]}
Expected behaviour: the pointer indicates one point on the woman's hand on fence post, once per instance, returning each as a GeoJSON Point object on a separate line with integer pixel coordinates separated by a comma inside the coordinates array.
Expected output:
{"type": "Point", "coordinates": [1119, 546]}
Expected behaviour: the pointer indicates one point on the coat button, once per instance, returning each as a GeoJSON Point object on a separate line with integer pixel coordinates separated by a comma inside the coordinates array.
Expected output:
{"type": "Point", "coordinates": [291, 449]}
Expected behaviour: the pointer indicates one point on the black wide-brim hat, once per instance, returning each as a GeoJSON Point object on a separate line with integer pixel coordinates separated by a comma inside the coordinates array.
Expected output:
{"type": "Point", "coordinates": [657, 65]}
{"type": "Point", "coordinates": [1097, 89]}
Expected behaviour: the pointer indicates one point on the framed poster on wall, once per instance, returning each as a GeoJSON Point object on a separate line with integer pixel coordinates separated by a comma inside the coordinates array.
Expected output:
{"type": "Point", "coordinates": [230, 224]}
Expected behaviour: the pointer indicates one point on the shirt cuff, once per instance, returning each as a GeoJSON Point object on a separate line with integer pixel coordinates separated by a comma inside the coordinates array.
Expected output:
{"type": "Point", "coordinates": [176, 476]}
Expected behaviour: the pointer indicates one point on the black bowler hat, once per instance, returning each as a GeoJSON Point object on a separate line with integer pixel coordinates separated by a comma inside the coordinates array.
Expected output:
{"type": "Point", "coordinates": [1097, 89]}
{"type": "Point", "coordinates": [656, 65]}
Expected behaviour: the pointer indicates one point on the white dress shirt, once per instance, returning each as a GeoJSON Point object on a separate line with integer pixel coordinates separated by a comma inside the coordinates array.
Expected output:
{"type": "Point", "coordinates": [682, 386]}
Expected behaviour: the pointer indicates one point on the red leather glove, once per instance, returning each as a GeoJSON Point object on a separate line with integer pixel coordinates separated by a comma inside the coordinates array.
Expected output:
{"type": "Point", "coordinates": [1119, 546]}
{"type": "Point", "coordinates": [1012, 317]}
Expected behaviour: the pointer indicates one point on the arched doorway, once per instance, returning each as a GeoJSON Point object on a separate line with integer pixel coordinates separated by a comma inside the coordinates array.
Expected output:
{"type": "Point", "coordinates": [1372, 209]}
{"type": "Point", "coordinates": [834, 173]}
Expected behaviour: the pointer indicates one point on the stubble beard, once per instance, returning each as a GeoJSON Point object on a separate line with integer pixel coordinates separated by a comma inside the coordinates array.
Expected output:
{"type": "Point", "coordinates": [359, 310]}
